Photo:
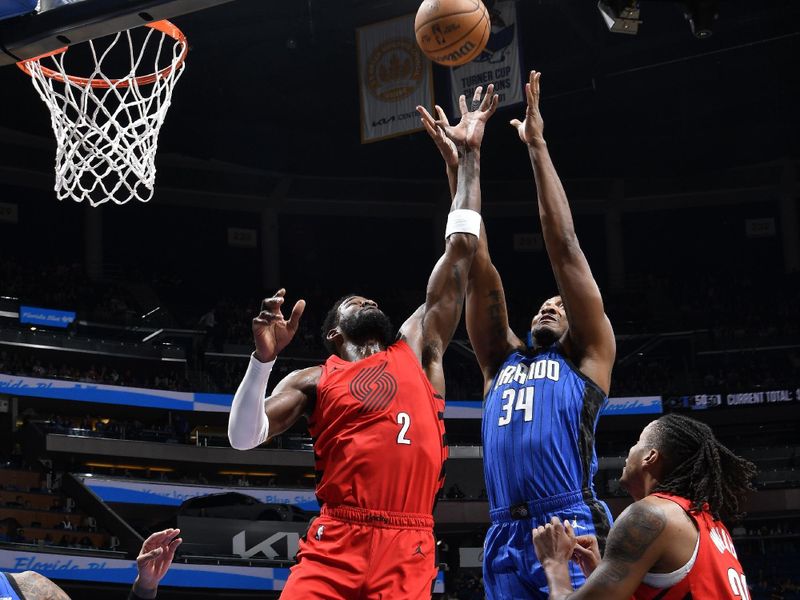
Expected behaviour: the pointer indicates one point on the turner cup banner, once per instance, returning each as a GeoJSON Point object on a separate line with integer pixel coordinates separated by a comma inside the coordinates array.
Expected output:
{"type": "Point", "coordinates": [394, 77]}
{"type": "Point", "coordinates": [499, 62]}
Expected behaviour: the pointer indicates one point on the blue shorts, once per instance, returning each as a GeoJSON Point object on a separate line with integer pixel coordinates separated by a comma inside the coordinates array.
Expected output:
{"type": "Point", "coordinates": [511, 570]}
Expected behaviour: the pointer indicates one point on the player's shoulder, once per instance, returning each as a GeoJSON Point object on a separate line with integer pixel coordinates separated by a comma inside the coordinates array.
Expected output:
{"type": "Point", "coordinates": [637, 531]}
{"type": "Point", "coordinates": [515, 353]}
{"type": "Point", "coordinates": [649, 513]}
{"type": "Point", "coordinates": [303, 378]}
{"type": "Point", "coordinates": [662, 513]}
{"type": "Point", "coordinates": [36, 586]}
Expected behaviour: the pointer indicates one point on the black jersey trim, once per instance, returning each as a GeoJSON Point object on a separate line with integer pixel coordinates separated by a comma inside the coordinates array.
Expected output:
{"type": "Point", "coordinates": [560, 349]}
{"type": "Point", "coordinates": [12, 582]}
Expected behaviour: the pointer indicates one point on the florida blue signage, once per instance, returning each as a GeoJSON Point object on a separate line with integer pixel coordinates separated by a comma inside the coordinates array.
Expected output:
{"type": "Point", "coordinates": [46, 317]}
{"type": "Point", "coordinates": [65, 567]}
{"type": "Point", "coordinates": [35, 387]}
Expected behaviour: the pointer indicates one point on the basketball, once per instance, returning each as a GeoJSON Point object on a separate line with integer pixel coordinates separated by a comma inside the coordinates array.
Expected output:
{"type": "Point", "coordinates": [452, 32]}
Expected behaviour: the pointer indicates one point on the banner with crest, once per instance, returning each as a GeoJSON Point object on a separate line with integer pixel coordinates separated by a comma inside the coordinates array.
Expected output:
{"type": "Point", "coordinates": [394, 77]}
{"type": "Point", "coordinates": [499, 63]}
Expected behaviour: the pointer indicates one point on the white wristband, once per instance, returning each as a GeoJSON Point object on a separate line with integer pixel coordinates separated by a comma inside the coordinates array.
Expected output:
{"type": "Point", "coordinates": [248, 425]}
{"type": "Point", "coordinates": [463, 220]}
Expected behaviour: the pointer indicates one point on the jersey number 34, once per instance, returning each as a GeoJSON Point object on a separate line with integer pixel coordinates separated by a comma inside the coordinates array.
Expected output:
{"type": "Point", "coordinates": [524, 402]}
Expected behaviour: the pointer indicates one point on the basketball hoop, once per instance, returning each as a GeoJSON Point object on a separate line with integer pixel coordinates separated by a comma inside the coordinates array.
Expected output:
{"type": "Point", "coordinates": [107, 129]}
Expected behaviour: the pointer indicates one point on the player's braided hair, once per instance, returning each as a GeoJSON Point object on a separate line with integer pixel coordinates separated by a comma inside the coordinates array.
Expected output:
{"type": "Point", "coordinates": [700, 468]}
{"type": "Point", "coordinates": [331, 321]}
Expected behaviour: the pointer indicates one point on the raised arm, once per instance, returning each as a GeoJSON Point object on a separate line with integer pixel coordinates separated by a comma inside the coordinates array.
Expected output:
{"type": "Point", "coordinates": [443, 143]}
{"type": "Point", "coordinates": [634, 545]}
{"type": "Point", "coordinates": [254, 420]}
{"type": "Point", "coordinates": [590, 339]}
{"type": "Point", "coordinates": [487, 315]}
{"type": "Point", "coordinates": [430, 329]}
{"type": "Point", "coordinates": [153, 562]}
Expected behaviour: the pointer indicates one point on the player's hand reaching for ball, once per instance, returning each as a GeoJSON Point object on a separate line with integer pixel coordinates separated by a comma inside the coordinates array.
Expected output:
{"type": "Point", "coordinates": [271, 332]}
{"type": "Point", "coordinates": [531, 130]}
{"type": "Point", "coordinates": [445, 145]}
{"type": "Point", "coordinates": [468, 133]}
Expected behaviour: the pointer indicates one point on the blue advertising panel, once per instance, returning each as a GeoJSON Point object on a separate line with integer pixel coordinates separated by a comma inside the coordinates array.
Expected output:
{"type": "Point", "coordinates": [61, 567]}
{"type": "Point", "coordinates": [113, 570]}
{"type": "Point", "coordinates": [47, 317]}
{"type": "Point", "coordinates": [173, 494]}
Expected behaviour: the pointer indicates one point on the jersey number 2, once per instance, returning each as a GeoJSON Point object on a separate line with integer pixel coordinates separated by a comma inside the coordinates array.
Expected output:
{"type": "Point", "coordinates": [405, 420]}
{"type": "Point", "coordinates": [524, 397]}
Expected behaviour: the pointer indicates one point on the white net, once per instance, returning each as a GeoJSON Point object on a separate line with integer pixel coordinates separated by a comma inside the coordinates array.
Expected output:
{"type": "Point", "coordinates": [107, 129]}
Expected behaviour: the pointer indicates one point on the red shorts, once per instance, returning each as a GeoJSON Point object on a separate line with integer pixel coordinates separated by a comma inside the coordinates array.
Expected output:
{"type": "Point", "coordinates": [357, 554]}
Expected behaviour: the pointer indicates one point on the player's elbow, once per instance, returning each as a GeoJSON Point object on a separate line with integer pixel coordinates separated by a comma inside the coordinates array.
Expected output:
{"type": "Point", "coordinates": [239, 443]}
{"type": "Point", "coordinates": [462, 245]}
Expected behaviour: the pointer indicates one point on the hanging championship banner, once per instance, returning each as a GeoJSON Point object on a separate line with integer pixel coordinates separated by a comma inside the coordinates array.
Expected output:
{"type": "Point", "coordinates": [394, 77]}
{"type": "Point", "coordinates": [498, 63]}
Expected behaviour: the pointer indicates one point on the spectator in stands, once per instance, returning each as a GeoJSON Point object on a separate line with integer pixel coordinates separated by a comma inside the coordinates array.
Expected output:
{"type": "Point", "coordinates": [90, 523]}
{"type": "Point", "coordinates": [455, 492]}
{"type": "Point", "coordinates": [8, 529]}
{"type": "Point", "coordinates": [152, 564]}
{"type": "Point", "coordinates": [18, 502]}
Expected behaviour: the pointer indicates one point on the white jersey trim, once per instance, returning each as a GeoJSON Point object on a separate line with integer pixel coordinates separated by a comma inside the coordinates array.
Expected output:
{"type": "Point", "coordinates": [665, 580]}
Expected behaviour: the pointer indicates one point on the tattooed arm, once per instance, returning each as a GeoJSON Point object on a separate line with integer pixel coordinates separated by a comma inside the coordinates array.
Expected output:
{"type": "Point", "coordinates": [634, 545]}
{"type": "Point", "coordinates": [429, 330]}
{"type": "Point", "coordinates": [37, 587]}
{"type": "Point", "coordinates": [487, 314]}
{"type": "Point", "coordinates": [487, 318]}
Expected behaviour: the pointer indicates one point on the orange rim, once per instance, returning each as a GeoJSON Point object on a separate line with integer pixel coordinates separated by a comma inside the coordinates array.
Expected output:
{"type": "Point", "coordinates": [164, 27]}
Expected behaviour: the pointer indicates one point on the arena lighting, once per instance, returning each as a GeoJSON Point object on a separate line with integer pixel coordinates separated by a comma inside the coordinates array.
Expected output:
{"type": "Point", "coordinates": [149, 313]}
{"type": "Point", "coordinates": [129, 467]}
{"type": "Point", "coordinates": [701, 15]}
{"type": "Point", "coordinates": [149, 337]}
{"type": "Point", "coordinates": [620, 16]}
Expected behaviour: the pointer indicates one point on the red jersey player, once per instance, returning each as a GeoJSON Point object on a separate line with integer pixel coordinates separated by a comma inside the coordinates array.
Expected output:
{"type": "Point", "coordinates": [670, 544]}
{"type": "Point", "coordinates": [375, 410]}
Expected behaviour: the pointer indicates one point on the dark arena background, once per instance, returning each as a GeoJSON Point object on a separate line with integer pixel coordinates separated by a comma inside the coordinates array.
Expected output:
{"type": "Point", "coordinates": [679, 153]}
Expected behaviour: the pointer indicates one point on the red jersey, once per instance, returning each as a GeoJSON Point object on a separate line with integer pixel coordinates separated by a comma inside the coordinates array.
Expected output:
{"type": "Point", "coordinates": [378, 429]}
{"type": "Point", "coordinates": [716, 574]}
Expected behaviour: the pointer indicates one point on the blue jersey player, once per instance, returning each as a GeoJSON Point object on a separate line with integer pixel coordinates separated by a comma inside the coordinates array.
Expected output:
{"type": "Point", "coordinates": [541, 402]}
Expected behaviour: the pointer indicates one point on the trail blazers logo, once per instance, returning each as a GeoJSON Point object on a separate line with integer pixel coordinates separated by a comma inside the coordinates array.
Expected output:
{"type": "Point", "coordinates": [374, 388]}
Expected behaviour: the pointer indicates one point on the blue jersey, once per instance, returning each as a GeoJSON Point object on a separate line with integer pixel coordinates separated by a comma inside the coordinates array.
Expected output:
{"type": "Point", "coordinates": [9, 589]}
{"type": "Point", "coordinates": [538, 429]}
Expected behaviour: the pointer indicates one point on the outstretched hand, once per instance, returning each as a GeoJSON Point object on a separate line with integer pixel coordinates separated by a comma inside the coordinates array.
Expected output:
{"type": "Point", "coordinates": [445, 145]}
{"type": "Point", "coordinates": [271, 332]}
{"type": "Point", "coordinates": [531, 130]}
{"type": "Point", "coordinates": [154, 560]}
{"type": "Point", "coordinates": [468, 133]}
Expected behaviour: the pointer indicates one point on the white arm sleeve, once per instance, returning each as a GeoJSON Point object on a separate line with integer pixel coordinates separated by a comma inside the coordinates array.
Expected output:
{"type": "Point", "coordinates": [248, 425]}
